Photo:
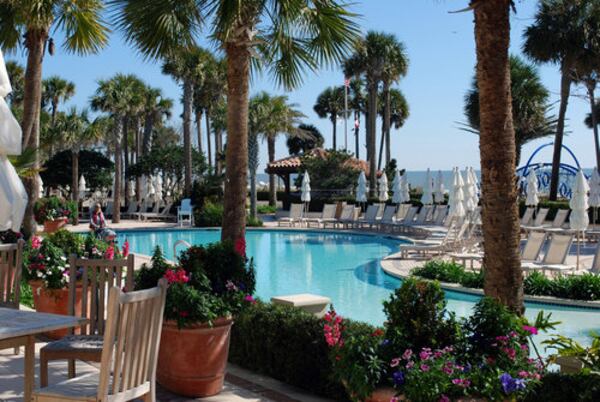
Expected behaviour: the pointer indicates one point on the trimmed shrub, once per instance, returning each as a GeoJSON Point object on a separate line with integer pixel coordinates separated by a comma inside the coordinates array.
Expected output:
{"type": "Point", "coordinates": [557, 387]}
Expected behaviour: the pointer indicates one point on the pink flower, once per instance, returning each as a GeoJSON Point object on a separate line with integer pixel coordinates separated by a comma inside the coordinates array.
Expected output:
{"type": "Point", "coordinates": [424, 367]}
{"type": "Point", "coordinates": [410, 364]}
{"type": "Point", "coordinates": [425, 354]}
{"type": "Point", "coordinates": [178, 276]}
{"type": "Point", "coordinates": [437, 355]}
{"type": "Point", "coordinates": [231, 286]}
{"type": "Point", "coordinates": [36, 242]}
{"type": "Point", "coordinates": [447, 370]}
{"type": "Point", "coordinates": [125, 248]}
{"type": "Point", "coordinates": [444, 398]}
{"type": "Point", "coordinates": [240, 246]}
{"type": "Point", "coordinates": [395, 362]}
{"type": "Point", "coordinates": [510, 352]}
{"type": "Point", "coordinates": [464, 383]}
{"type": "Point", "coordinates": [523, 374]}
{"type": "Point", "coordinates": [407, 354]}
{"type": "Point", "coordinates": [109, 254]}
{"type": "Point", "coordinates": [183, 314]}
{"type": "Point", "coordinates": [249, 299]}
{"type": "Point", "coordinates": [531, 330]}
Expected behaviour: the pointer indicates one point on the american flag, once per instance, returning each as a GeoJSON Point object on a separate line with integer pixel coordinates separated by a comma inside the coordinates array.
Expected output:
{"type": "Point", "coordinates": [347, 82]}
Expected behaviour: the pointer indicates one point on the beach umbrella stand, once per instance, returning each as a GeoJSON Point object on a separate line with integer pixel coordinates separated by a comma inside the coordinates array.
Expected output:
{"type": "Point", "coordinates": [579, 219]}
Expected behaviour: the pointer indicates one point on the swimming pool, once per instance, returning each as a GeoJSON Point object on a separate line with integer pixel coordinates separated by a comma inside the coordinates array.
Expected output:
{"type": "Point", "coordinates": [344, 267]}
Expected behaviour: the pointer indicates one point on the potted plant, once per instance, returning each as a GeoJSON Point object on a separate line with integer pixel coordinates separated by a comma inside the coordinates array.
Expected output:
{"type": "Point", "coordinates": [206, 289]}
{"type": "Point", "coordinates": [54, 213]}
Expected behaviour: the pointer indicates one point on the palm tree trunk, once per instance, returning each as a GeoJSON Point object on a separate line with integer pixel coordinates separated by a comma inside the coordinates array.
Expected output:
{"type": "Point", "coordinates": [381, 144]}
{"type": "Point", "coordinates": [234, 214]}
{"type": "Point", "coordinates": [253, 197]}
{"type": "Point", "coordinates": [75, 182]}
{"type": "Point", "coordinates": [147, 138]}
{"type": "Point", "coordinates": [116, 212]}
{"type": "Point", "coordinates": [334, 124]}
{"type": "Point", "coordinates": [32, 99]}
{"type": "Point", "coordinates": [272, 184]}
{"type": "Point", "coordinates": [565, 89]}
{"type": "Point", "coordinates": [501, 231]}
{"type": "Point", "coordinates": [199, 129]}
{"type": "Point", "coordinates": [219, 151]}
{"type": "Point", "coordinates": [125, 154]}
{"type": "Point", "coordinates": [372, 138]}
{"type": "Point", "coordinates": [139, 151]}
{"type": "Point", "coordinates": [387, 124]}
{"type": "Point", "coordinates": [188, 96]}
{"type": "Point", "coordinates": [357, 133]}
{"type": "Point", "coordinates": [591, 86]}
{"type": "Point", "coordinates": [208, 141]}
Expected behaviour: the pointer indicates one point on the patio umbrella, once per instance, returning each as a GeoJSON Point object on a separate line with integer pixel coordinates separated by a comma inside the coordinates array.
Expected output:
{"type": "Point", "coordinates": [131, 193]}
{"type": "Point", "coordinates": [82, 186]}
{"type": "Point", "coordinates": [158, 186]}
{"type": "Point", "coordinates": [405, 189]}
{"type": "Point", "coordinates": [532, 190]}
{"type": "Point", "coordinates": [383, 188]}
{"type": "Point", "coordinates": [361, 188]}
{"type": "Point", "coordinates": [475, 188]}
{"type": "Point", "coordinates": [150, 191]}
{"type": "Point", "coordinates": [397, 188]}
{"type": "Point", "coordinates": [438, 194]}
{"type": "Point", "coordinates": [305, 188]}
{"type": "Point", "coordinates": [456, 200]}
{"type": "Point", "coordinates": [594, 199]}
{"type": "Point", "coordinates": [579, 219]}
{"type": "Point", "coordinates": [13, 197]}
{"type": "Point", "coordinates": [40, 185]}
{"type": "Point", "coordinates": [469, 191]}
{"type": "Point", "coordinates": [427, 197]}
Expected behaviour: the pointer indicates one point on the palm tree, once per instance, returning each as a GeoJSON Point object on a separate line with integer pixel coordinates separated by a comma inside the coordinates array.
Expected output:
{"type": "Point", "coordinates": [529, 105]}
{"type": "Point", "coordinates": [56, 90]}
{"type": "Point", "coordinates": [557, 36]}
{"type": "Point", "coordinates": [311, 139]}
{"type": "Point", "coordinates": [34, 20]}
{"type": "Point", "coordinates": [500, 218]}
{"type": "Point", "coordinates": [156, 107]}
{"type": "Point", "coordinates": [395, 106]}
{"type": "Point", "coordinates": [290, 36]}
{"type": "Point", "coordinates": [330, 104]}
{"type": "Point", "coordinates": [113, 97]}
{"type": "Point", "coordinates": [372, 58]}
{"type": "Point", "coordinates": [16, 75]}
{"type": "Point", "coordinates": [185, 65]}
{"type": "Point", "coordinates": [357, 102]}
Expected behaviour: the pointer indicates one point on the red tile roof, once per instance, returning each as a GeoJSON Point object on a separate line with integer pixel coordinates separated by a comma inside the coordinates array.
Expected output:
{"type": "Point", "coordinates": [292, 164]}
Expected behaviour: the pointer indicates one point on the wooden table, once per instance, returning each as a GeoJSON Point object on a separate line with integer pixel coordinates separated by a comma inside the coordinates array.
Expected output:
{"type": "Point", "coordinates": [19, 328]}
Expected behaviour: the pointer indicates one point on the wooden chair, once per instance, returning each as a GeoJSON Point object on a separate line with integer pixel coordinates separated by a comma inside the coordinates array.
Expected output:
{"type": "Point", "coordinates": [130, 353]}
{"type": "Point", "coordinates": [11, 257]}
{"type": "Point", "coordinates": [97, 276]}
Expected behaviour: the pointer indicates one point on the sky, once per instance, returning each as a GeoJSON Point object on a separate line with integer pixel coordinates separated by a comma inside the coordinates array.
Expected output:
{"type": "Point", "coordinates": [441, 49]}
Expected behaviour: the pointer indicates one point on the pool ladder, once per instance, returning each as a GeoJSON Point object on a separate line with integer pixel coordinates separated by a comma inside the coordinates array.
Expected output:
{"type": "Point", "coordinates": [177, 243]}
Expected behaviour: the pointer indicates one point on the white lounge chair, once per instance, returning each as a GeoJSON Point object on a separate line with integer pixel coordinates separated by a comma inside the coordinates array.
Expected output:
{"type": "Point", "coordinates": [370, 217]}
{"type": "Point", "coordinates": [555, 257]}
{"type": "Point", "coordinates": [185, 212]}
{"type": "Point", "coordinates": [539, 219]}
{"type": "Point", "coordinates": [388, 216]}
{"type": "Point", "coordinates": [347, 217]}
{"type": "Point", "coordinates": [402, 211]}
{"type": "Point", "coordinates": [164, 214]}
{"type": "Point", "coordinates": [533, 247]}
{"type": "Point", "coordinates": [451, 242]}
{"type": "Point", "coordinates": [294, 217]}
{"type": "Point", "coordinates": [595, 268]}
{"type": "Point", "coordinates": [327, 215]}
{"type": "Point", "coordinates": [558, 221]}
{"type": "Point", "coordinates": [527, 216]}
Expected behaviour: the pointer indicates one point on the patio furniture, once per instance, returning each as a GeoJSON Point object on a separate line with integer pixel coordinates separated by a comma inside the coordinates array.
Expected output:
{"type": "Point", "coordinates": [185, 212]}
{"type": "Point", "coordinates": [539, 220]}
{"type": "Point", "coordinates": [370, 217]}
{"type": "Point", "coordinates": [130, 354]}
{"type": "Point", "coordinates": [533, 246]}
{"type": "Point", "coordinates": [97, 276]}
{"type": "Point", "coordinates": [466, 257]}
{"type": "Point", "coordinates": [294, 217]}
{"type": "Point", "coordinates": [402, 211]}
{"type": "Point", "coordinates": [313, 304]}
{"type": "Point", "coordinates": [451, 242]}
{"type": "Point", "coordinates": [19, 328]}
{"type": "Point", "coordinates": [527, 215]}
{"type": "Point", "coordinates": [164, 214]}
{"type": "Point", "coordinates": [327, 215]}
{"type": "Point", "coordinates": [440, 214]}
{"type": "Point", "coordinates": [595, 268]}
{"type": "Point", "coordinates": [11, 257]}
{"type": "Point", "coordinates": [347, 217]}
{"type": "Point", "coordinates": [132, 210]}
{"type": "Point", "coordinates": [555, 257]}
{"type": "Point", "coordinates": [558, 221]}
{"type": "Point", "coordinates": [387, 218]}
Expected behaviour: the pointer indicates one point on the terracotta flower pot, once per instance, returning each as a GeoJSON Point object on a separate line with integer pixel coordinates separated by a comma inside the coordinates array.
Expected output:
{"type": "Point", "coordinates": [55, 301]}
{"type": "Point", "coordinates": [53, 226]}
{"type": "Point", "coordinates": [192, 360]}
{"type": "Point", "coordinates": [384, 394]}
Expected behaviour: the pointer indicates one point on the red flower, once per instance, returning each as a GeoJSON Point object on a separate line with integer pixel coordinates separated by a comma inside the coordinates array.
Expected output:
{"type": "Point", "coordinates": [183, 314]}
{"type": "Point", "coordinates": [110, 253]}
{"type": "Point", "coordinates": [240, 246]}
{"type": "Point", "coordinates": [126, 248]}
{"type": "Point", "coordinates": [179, 276]}
{"type": "Point", "coordinates": [377, 332]}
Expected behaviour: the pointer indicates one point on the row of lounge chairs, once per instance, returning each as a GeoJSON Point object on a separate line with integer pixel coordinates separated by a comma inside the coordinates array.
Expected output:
{"type": "Point", "coordinates": [528, 222]}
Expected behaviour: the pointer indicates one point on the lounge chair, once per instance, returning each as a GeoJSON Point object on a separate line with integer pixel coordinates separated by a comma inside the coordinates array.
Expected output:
{"type": "Point", "coordinates": [370, 217]}
{"type": "Point", "coordinates": [185, 212]}
{"type": "Point", "coordinates": [164, 214]}
{"type": "Point", "coordinates": [294, 217]}
{"type": "Point", "coordinates": [402, 211]}
{"type": "Point", "coordinates": [539, 220]}
{"type": "Point", "coordinates": [558, 221]}
{"type": "Point", "coordinates": [451, 242]}
{"type": "Point", "coordinates": [348, 216]}
{"type": "Point", "coordinates": [555, 257]}
{"type": "Point", "coordinates": [533, 247]}
{"type": "Point", "coordinates": [595, 268]}
{"type": "Point", "coordinates": [440, 214]}
{"type": "Point", "coordinates": [423, 215]}
{"type": "Point", "coordinates": [409, 217]}
{"type": "Point", "coordinates": [132, 210]}
{"type": "Point", "coordinates": [327, 215]}
{"type": "Point", "coordinates": [527, 216]}
{"type": "Point", "coordinates": [388, 216]}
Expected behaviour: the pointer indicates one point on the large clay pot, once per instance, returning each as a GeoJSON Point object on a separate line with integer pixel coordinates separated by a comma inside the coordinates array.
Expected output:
{"type": "Point", "coordinates": [192, 360]}
{"type": "Point", "coordinates": [53, 226]}
{"type": "Point", "coordinates": [55, 301]}
{"type": "Point", "coordinates": [383, 395]}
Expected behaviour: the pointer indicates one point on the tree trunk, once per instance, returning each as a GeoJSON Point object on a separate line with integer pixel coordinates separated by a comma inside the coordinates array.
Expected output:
{"type": "Point", "coordinates": [234, 214]}
{"type": "Point", "coordinates": [116, 212]}
{"type": "Point", "coordinates": [381, 144]}
{"type": "Point", "coordinates": [357, 133]}
{"type": "Point", "coordinates": [32, 100]}
{"type": "Point", "coordinates": [387, 124]}
{"type": "Point", "coordinates": [501, 231]}
{"type": "Point", "coordinates": [253, 197]}
{"type": "Point", "coordinates": [334, 124]}
{"type": "Point", "coordinates": [565, 89]}
{"type": "Point", "coordinates": [125, 155]}
{"type": "Point", "coordinates": [591, 86]}
{"type": "Point", "coordinates": [372, 139]}
{"type": "Point", "coordinates": [272, 183]}
{"type": "Point", "coordinates": [208, 141]}
{"type": "Point", "coordinates": [188, 96]}
{"type": "Point", "coordinates": [75, 182]}
{"type": "Point", "coordinates": [148, 127]}
{"type": "Point", "coordinates": [219, 151]}
{"type": "Point", "coordinates": [199, 129]}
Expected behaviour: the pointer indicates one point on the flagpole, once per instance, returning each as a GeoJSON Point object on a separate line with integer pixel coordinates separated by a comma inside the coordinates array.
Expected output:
{"type": "Point", "coordinates": [346, 84]}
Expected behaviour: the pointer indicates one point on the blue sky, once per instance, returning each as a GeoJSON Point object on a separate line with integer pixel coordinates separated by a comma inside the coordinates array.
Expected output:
{"type": "Point", "coordinates": [441, 49]}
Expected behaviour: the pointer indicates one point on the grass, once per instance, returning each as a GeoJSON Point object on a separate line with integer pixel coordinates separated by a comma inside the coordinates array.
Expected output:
{"type": "Point", "coordinates": [266, 209]}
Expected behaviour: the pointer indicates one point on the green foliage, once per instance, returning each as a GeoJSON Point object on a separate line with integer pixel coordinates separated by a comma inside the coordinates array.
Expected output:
{"type": "Point", "coordinates": [451, 272]}
{"type": "Point", "coordinates": [94, 247]}
{"type": "Point", "coordinates": [209, 187]}
{"type": "Point", "coordinates": [589, 356]}
{"type": "Point", "coordinates": [266, 209]}
{"type": "Point", "coordinates": [94, 166]}
{"type": "Point", "coordinates": [45, 262]}
{"type": "Point", "coordinates": [209, 215]}
{"type": "Point", "coordinates": [556, 387]}
{"type": "Point", "coordinates": [52, 208]}
{"type": "Point", "coordinates": [26, 295]}
{"type": "Point", "coordinates": [68, 242]}
{"type": "Point", "coordinates": [168, 160]}
{"type": "Point", "coordinates": [417, 317]}
{"type": "Point", "coordinates": [298, 145]}
{"type": "Point", "coordinates": [320, 169]}
{"type": "Point", "coordinates": [253, 221]}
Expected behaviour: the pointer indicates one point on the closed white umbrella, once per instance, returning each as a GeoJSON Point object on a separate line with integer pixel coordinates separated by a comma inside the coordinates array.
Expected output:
{"type": "Point", "coordinates": [361, 188]}
{"type": "Point", "coordinates": [131, 193]}
{"type": "Point", "coordinates": [532, 199]}
{"type": "Point", "coordinates": [82, 185]}
{"type": "Point", "coordinates": [305, 188]}
{"type": "Point", "coordinates": [427, 197]}
{"type": "Point", "coordinates": [150, 191]}
{"type": "Point", "coordinates": [475, 187]}
{"type": "Point", "coordinates": [469, 191]}
{"type": "Point", "coordinates": [40, 185]}
{"type": "Point", "coordinates": [397, 188]}
{"type": "Point", "coordinates": [383, 188]}
{"type": "Point", "coordinates": [405, 189]}
{"type": "Point", "coordinates": [579, 219]}
{"type": "Point", "coordinates": [438, 194]}
{"type": "Point", "coordinates": [158, 187]}
{"type": "Point", "coordinates": [594, 199]}
{"type": "Point", "coordinates": [13, 197]}
{"type": "Point", "coordinates": [456, 202]}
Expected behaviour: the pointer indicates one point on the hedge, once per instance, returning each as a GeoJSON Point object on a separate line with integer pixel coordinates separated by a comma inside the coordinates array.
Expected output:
{"type": "Point", "coordinates": [557, 387]}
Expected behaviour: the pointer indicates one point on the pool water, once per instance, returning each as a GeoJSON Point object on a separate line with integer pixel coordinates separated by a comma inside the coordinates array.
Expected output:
{"type": "Point", "coordinates": [343, 267]}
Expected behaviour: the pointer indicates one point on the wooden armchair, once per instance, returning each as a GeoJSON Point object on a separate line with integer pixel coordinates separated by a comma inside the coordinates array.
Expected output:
{"type": "Point", "coordinates": [11, 260]}
{"type": "Point", "coordinates": [129, 356]}
{"type": "Point", "coordinates": [97, 277]}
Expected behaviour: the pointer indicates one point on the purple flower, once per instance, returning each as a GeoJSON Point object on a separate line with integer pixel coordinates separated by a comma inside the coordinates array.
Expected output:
{"type": "Point", "coordinates": [424, 367]}
{"type": "Point", "coordinates": [520, 384]}
{"type": "Point", "coordinates": [508, 383]}
{"type": "Point", "coordinates": [398, 378]}
{"type": "Point", "coordinates": [444, 398]}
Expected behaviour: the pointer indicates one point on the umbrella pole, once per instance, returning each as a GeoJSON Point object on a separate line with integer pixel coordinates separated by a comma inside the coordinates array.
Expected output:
{"type": "Point", "coordinates": [578, 246]}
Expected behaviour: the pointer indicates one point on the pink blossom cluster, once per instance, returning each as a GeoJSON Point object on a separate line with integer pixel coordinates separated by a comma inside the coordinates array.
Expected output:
{"type": "Point", "coordinates": [176, 276]}
{"type": "Point", "coordinates": [333, 329]}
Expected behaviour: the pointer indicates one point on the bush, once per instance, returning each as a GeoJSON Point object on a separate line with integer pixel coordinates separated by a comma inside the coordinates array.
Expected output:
{"type": "Point", "coordinates": [209, 215]}
{"type": "Point", "coordinates": [439, 270]}
{"type": "Point", "coordinates": [253, 222]}
{"type": "Point", "coordinates": [556, 387]}
{"type": "Point", "coordinates": [266, 209]}
{"type": "Point", "coordinates": [96, 168]}
{"type": "Point", "coordinates": [51, 208]}
{"type": "Point", "coordinates": [69, 242]}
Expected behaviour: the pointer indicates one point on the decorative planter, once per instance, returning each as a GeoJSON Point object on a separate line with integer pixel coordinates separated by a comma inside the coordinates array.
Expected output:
{"type": "Point", "coordinates": [53, 226]}
{"type": "Point", "coordinates": [569, 364]}
{"type": "Point", "coordinates": [192, 360]}
{"type": "Point", "coordinates": [55, 301]}
{"type": "Point", "coordinates": [383, 395]}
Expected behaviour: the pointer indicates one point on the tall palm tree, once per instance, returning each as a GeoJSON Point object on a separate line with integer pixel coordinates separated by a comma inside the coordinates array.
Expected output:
{"type": "Point", "coordinates": [529, 105]}
{"type": "Point", "coordinates": [156, 107]}
{"type": "Point", "coordinates": [357, 102]}
{"type": "Point", "coordinates": [291, 37]}
{"type": "Point", "coordinates": [557, 36]}
{"type": "Point", "coordinates": [29, 23]}
{"type": "Point", "coordinates": [500, 218]}
{"type": "Point", "coordinates": [394, 112]}
{"type": "Point", "coordinates": [185, 65]}
{"type": "Point", "coordinates": [54, 91]}
{"type": "Point", "coordinates": [16, 75]}
{"type": "Point", "coordinates": [372, 59]}
{"type": "Point", "coordinates": [311, 139]}
{"type": "Point", "coordinates": [330, 105]}
{"type": "Point", "coordinates": [113, 97]}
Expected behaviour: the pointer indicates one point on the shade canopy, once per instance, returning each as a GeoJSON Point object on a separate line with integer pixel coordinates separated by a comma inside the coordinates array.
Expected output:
{"type": "Point", "coordinates": [82, 185]}
{"type": "Point", "coordinates": [397, 188]}
{"type": "Point", "coordinates": [361, 188]}
{"type": "Point", "coordinates": [579, 219]}
{"type": "Point", "coordinates": [383, 188]}
{"type": "Point", "coordinates": [532, 190]}
{"type": "Point", "coordinates": [438, 194]}
{"type": "Point", "coordinates": [594, 184]}
{"type": "Point", "coordinates": [456, 200]}
{"type": "Point", "coordinates": [305, 195]}
{"type": "Point", "coordinates": [427, 197]}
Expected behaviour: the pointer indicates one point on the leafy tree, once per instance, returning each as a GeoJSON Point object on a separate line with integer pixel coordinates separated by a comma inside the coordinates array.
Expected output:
{"type": "Point", "coordinates": [16, 75]}
{"type": "Point", "coordinates": [319, 169]}
{"type": "Point", "coordinates": [396, 107]}
{"type": "Point", "coordinates": [54, 91]}
{"type": "Point", "coordinates": [529, 105]}
{"type": "Point", "coordinates": [330, 105]}
{"type": "Point", "coordinates": [302, 145]}
{"type": "Point", "coordinates": [94, 166]}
